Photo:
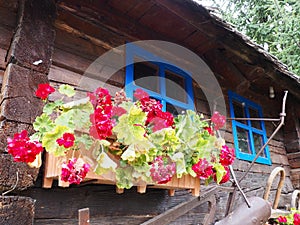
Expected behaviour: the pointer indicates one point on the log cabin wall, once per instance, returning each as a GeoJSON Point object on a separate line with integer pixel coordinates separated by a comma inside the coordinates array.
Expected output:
{"type": "Point", "coordinates": [24, 25]}
{"type": "Point", "coordinates": [8, 23]}
{"type": "Point", "coordinates": [84, 31]}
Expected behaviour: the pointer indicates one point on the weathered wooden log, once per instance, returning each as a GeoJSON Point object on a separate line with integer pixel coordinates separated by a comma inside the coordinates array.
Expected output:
{"type": "Point", "coordinates": [27, 47]}
{"type": "Point", "coordinates": [18, 94]}
{"type": "Point", "coordinates": [15, 174]}
{"type": "Point", "coordinates": [16, 210]}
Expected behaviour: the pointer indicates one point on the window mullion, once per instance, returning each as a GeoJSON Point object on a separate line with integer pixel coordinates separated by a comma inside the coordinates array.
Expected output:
{"type": "Point", "coordinates": [162, 85]}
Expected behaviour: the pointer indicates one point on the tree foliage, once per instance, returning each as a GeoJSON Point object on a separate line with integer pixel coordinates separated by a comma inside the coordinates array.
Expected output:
{"type": "Point", "coordinates": [274, 24]}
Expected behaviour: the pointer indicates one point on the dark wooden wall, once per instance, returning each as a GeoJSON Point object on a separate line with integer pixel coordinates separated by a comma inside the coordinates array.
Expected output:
{"type": "Point", "coordinates": [83, 33]}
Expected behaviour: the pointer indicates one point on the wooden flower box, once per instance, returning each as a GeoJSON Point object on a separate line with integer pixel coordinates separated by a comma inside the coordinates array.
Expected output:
{"type": "Point", "coordinates": [52, 172]}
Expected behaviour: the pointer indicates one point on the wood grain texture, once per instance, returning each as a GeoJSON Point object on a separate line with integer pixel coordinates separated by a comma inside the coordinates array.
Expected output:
{"type": "Point", "coordinates": [34, 25]}
{"type": "Point", "coordinates": [10, 170]}
{"type": "Point", "coordinates": [16, 210]}
{"type": "Point", "coordinates": [18, 94]}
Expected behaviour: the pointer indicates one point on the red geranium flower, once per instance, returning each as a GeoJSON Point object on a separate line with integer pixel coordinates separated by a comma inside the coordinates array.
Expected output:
{"type": "Point", "coordinates": [162, 170]}
{"type": "Point", "coordinates": [67, 140]}
{"type": "Point", "coordinates": [44, 90]}
{"type": "Point", "coordinates": [139, 94]}
{"type": "Point", "coordinates": [203, 169]}
{"type": "Point", "coordinates": [296, 219]}
{"type": "Point", "coordinates": [282, 219]}
{"type": "Point", "coordinates": [218, 120]}
{"type": "Point", "coordinates": [209, 130]}
{"type": "Point", "coordinates": [102, 123]}
{"type": "Point", "coordinates": [118, 111]}
{"type": "Point", "coordinates": [22, 149]}
{"type": "Point", "coordinates": [227, 156]}
{"type": "Point", "coordinates": [74, 171]}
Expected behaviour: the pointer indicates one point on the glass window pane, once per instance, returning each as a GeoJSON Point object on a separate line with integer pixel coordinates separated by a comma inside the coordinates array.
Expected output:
{"type": "Point", "coordinates": [175, 87]}
{"type": "Point", "coordinates": [254, 114]}
{"type": "Point", "coordinates": [146, 76]}
{"type": "Point", "coordinates": [258, 143]}
{"type": "Point", "coordinates": [175, 110]}
{"type": "Point", "coordinates": [239, 111]}
{"type": "Point", "coordinates": [243, 140]}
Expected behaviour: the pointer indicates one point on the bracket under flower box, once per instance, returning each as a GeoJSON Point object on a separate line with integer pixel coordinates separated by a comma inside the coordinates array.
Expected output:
{"type": "Point", "coordinates": [52, 172]}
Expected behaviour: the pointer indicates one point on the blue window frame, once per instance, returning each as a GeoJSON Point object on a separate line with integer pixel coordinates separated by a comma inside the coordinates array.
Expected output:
{"type": "Point", "coordinates": [169, 84]}
{"type": "Point", "coordinates": [249, 135]}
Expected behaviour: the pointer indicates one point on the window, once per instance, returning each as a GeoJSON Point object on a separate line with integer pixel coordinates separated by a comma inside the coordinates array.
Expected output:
{"type": "Point", "coordinates": [167, 83]}
{"type": "Point", "coordinates": [249, 135]}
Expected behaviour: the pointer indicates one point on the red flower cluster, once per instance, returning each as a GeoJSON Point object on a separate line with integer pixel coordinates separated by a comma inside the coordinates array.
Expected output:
{"type": "Point", "coordinates": [155, 116]}
{"type": "Point", "coordinates": [44, 90]}
{"type": "Point", "coordinates": [296, 219]}
{"type": "Point", "coordinates": [101, 118]}
{"type": "Point", "coordinates": [67, 140]}
{"type": "Point", "coordinates": [73, 171]}
{"type": "Point", "coordinates": [209, 130]}
{"type": "Point", "coordinates": [22, 149]}
{"type": "Point", "coordinates": [203, 169]}
{"type": "Point", "coordinates": [227, 156]}
{"type": "Point", "coordinates": [282, 219]}
{"type": "Point", "coordinates": [218, 120]}
{"type": "Point", "coordinates": [161, 171]}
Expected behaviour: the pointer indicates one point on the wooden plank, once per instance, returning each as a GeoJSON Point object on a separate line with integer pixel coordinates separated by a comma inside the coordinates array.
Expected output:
{"type": "Point", "coordinates": [84, 216]}
{"type": "Point", "coordinates": [153, 17]}
{"type": "Point", "coordinates": [197, 39]}
{"type": "Point", "coordinates": [77, 46]}
{"type": "Point", "coordinates": [18, 100]}
{"type": "Point", "coordinates": [295, 155]}
{"type": "Point", "coordinates": [140, 8]}
{"type": "Point", "coordinates": [61, 75]}
{"type": "Point", "coordinates": [22, 209]}
{"type": "Point", "coordinates": [70, 61]}
{"type": "Point", "coordinates": [10, 170]}
{"type": "Point", "coordinates": [104, 37]}
{"type": "Point", "coordinates": [103, 220]}
{"type": "Point", "coordinates": [28, 47]}
{"type": "Point", "coordinates": [123, 6]}
{"type": "Point", "coordinates": [8, 18]}
{"type": "Point", "coordinates": [11, 5]}
{"type": "Point", "coordinates": [1, 76]}
{"type": "Point", "coordinates": [102, 201]}
{"type": "Point", "coordinates": [279, 159]}
{"type": "Point", "coordinates": [5, 37]}
{"type": "Point", "coordinates": [181, 209]}
{"type": "Point", "coordinates": [2, 58]}
{"type": "Point", "coordinates": [120, 24]}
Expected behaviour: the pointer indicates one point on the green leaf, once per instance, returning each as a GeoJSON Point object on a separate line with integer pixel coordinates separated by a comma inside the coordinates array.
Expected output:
{"type": "Point", "coordinates": [83, 104]}
{"type": "Point", "coordinates": [49, 140]}
{"type": "Point", "coordinates": [74, 119]}
{"type": "Point", "coordinates": [128, 129]}
{"type": "Point", "coordinates": [178, 158]}
{"type": "Point", "coordinates": [220, 171]}
{"type": "Point", "coordinates": [49, 108]}
{"type": "Point", "coordinates": [85, 139]}
{"type": "Point", "coordinates": [43, 124]}
{"type": "Point", "coordinates": [129, 154]}
{"type": "Point", "coordinates": [66, 90]}
{"type": "Point", "coordinates": [165, 140]}
{"type": "Point", "coordinates": [142, 172]}
{"type": "Point", "coordinates": [124, 178]}
{"type": "Point", "coordinates": [105, 164]}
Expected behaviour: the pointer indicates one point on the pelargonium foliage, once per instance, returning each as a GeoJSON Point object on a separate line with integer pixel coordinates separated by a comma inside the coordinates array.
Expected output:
{"type": "Point", "coordinates": [136, 141]}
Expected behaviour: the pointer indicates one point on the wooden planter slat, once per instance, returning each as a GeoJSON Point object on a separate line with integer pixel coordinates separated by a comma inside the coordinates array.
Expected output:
{"type": "Point", "coordinates": [52, 172]}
